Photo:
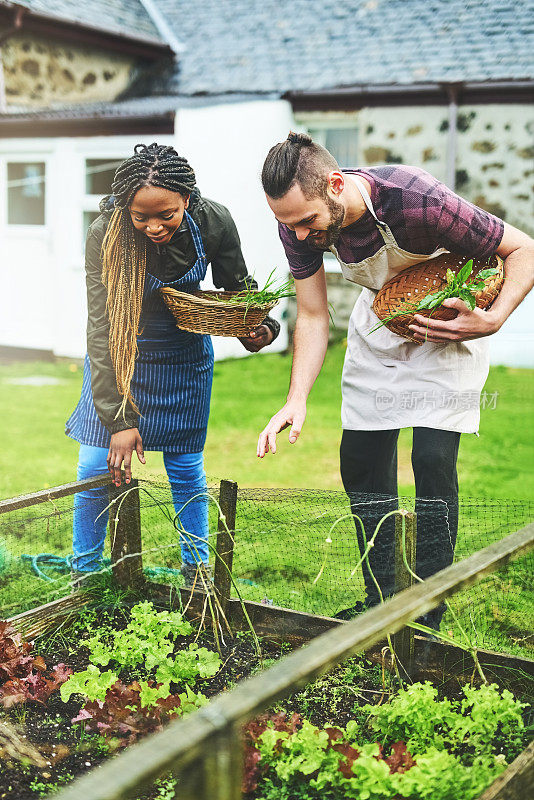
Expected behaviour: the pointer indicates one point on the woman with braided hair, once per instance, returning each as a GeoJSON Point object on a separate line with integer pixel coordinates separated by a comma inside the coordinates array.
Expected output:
{"type": "Point", "coordinates": [146, 383]}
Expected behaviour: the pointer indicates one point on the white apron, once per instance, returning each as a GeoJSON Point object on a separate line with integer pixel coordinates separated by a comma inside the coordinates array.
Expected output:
{"type": "Point", "coordinates": [389, 382]}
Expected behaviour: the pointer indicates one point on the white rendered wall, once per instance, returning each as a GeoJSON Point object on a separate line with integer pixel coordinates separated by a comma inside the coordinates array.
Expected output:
{"type": "Point", "coordinates": [42, 278]}
{"type": "Point", "coordinates": [227, 145]}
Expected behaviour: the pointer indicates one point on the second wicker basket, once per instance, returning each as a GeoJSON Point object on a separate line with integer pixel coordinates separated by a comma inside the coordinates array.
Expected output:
{"type": "Point", "coordinates": [414, 283]}
{"type": "Point", "coordinates": [206, 312]}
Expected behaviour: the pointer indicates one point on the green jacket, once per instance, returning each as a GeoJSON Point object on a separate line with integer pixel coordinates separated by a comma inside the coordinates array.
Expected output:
{"type": "Point", "coordinates": [169, 262]}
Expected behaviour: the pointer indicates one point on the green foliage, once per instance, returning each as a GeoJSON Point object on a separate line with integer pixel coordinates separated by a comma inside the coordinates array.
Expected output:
{"type": "Point", "coordinates": [486, 721]}
{"type": "Point", "coordinates": [147, 639]}
{"type": "Point", "coordinates": [459, 284]}
{"type": "Point", "coordinates": [271, 294]}
{"type": "Point", "coordinates": [90, 683]}
{"type": "Point", "coordinates": [165, 788]}
{"type": "Point", "coordinates": [312, 764]}
{"type": "Point", "coordinates": [490, 717]}
{"type": "Point", "coordinates": [117, 710]}
{"type": "Point", "coordinates": [44, 788]}
{"type": "Point", "coordinates": [438, 775]}
{"type": "Point", "coordinates": [188, 665]}
{"type": "Point", "coordinates": [147, 643]}
{"type": "Point", "coordinates": [429, 750]}
{"type": "Point", "coordinates": [414, 716]}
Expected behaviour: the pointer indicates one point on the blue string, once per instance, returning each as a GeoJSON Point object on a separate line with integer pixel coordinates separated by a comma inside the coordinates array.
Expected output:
{"type": "Point", "coordinates": [63, 564]}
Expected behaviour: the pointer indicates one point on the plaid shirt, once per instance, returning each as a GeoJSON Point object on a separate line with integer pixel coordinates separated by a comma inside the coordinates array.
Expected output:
{"type": "Point", "coordinates": [422, 213]}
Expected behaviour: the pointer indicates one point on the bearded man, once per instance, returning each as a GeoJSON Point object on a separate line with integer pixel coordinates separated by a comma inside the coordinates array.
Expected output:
{"type": "Point", "coordinates": [377, 222]}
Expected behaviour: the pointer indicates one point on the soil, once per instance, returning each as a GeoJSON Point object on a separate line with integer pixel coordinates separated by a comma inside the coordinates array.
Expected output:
{"type": "Point", "coordinates": [334, 699]}
{"type": "Point", "coordinates": [70, 752]}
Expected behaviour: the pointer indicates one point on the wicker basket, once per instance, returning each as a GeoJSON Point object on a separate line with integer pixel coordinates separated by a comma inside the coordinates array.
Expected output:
{"type": "Point", "coordinates": [201, 312]}
{"type": "Point", "coordinates": [414, 283]}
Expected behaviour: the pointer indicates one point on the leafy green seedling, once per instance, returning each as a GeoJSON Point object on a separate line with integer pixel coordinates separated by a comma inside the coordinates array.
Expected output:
{"type": "Point", "coordinates": [459, 284]}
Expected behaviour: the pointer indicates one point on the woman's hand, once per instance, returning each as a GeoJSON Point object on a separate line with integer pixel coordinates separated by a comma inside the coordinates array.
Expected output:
{"type": "Point", "coordinates": [121, 448]}
{"type": "Point", "coordinates": [258, 338]}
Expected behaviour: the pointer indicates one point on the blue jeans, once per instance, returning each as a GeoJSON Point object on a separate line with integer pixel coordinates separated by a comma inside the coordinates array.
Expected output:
{"type": "Point", "coordinates": [187, 478]}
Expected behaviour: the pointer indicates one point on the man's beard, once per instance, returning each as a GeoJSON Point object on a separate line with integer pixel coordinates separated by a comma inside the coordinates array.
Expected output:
{"type": "Point", "coordinates": [330, 235]}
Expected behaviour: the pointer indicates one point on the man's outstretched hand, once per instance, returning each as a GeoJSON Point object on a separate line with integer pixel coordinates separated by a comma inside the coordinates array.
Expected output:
{"type": "Point", "coordinates": [292, 414]}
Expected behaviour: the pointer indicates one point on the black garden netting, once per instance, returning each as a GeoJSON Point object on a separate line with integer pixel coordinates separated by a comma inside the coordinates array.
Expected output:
{"type": "Point", "coordinates": [299, 549]}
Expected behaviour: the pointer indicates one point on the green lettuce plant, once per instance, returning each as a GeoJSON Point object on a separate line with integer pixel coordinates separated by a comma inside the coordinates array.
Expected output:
{"type": "Point", "coordinates": [427, 749]}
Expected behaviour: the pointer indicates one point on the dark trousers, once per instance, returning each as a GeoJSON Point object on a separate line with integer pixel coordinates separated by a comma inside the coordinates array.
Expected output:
{"type": "Point", "coordinates": [369, 475]}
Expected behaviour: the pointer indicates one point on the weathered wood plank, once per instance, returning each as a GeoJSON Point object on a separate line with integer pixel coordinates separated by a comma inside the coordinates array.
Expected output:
{"type": "Point", "coordinates": [403, 641]}
{"type": "Point", "coordinates": [516, 782]}
{"type": "Point", "coordinates": [222, 766]}
{"type": "Point", "coordinates": [225, 542]}
{"type": "Point", "coordinates": [44, 495]}
{"type": "Point", "coordinates": [125, 534]}
{"type": "Point", "coordinates": [39, 620]}
{"type": "Point", "coordinates": [270, 622]}
{"type": "Point", "coordinates": [186, 740]}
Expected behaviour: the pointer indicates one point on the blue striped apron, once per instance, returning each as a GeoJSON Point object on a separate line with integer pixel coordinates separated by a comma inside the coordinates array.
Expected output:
{"type": "Point", "coordinates": [173, 374]}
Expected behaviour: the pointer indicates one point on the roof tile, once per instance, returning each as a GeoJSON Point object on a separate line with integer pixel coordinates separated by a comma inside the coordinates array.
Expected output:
{"type": "Point", "coordinates": [283, 45]}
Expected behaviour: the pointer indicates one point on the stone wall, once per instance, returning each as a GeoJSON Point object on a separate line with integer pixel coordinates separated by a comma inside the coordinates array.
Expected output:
{"type": "Point", "coordinates": [342, 295]}
{"type": "Point", "coordinates": [495, 151]}
{"type": "Point", "coordinates": [494, 163]}
{"type": "Point", "coordinates": [39, 72]}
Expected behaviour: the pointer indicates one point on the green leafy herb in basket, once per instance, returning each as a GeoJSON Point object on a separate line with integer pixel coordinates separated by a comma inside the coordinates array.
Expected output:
{"type": "Point", "coordinates": [459, 284]}
{"type": "Point", "coordinates": [268, 296]}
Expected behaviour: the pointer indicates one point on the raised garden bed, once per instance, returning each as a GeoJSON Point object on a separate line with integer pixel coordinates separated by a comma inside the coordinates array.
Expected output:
{"type": "Point", "coordinates": [71, 749]}
{"type": "Point", "coordinates": [320, 727]}
{"type": "Point", "coordinates": [203, 749]}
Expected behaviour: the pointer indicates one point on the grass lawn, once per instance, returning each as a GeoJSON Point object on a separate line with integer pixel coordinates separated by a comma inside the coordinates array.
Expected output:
{"type": "Point", "coordinates": [35, 452]}
{"type": "Point", "coordinates": [281, 537]}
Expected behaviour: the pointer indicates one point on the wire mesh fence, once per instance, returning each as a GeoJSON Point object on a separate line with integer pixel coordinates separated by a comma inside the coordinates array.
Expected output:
{"type": "Point", "coordinates": [299, 549]}
{"type": "Point", "coordinates": [316, 552]}
{"type": "Point", "coordinates": [323, 685]}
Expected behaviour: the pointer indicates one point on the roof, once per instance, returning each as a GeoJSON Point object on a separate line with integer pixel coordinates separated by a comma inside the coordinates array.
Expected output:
{"type": "Point", "coordinates": [126, 18]}
{"type": "Point", "coordinates": [130, 116]}
{"type": "Point", "coordinates": [135, 107]}
{"type": "Point", "coordinates": [136, 116]}
{"type": "Point", "coordinates": [310, 45]}
{"type": "Point", "coordinates": [363, 50]}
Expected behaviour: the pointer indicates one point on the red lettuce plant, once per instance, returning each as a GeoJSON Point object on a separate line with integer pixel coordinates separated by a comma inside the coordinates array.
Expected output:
{"type": "Point", "coordinates": [251, 733]}
{"type": "Point", "coordinates": [23, 676]}
{"type": "Point", "coordinates": [122, 716]}
{"type": "Point", "coordinates": [335, 739]}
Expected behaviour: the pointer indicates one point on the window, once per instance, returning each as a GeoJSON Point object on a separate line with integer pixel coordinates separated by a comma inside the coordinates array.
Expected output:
{"type": "Point", "coordinates": [342, 142]}
{"type": "Point", "coordinates": [26, 193]}
{"type": "Point", "coordinates": [99, 175]}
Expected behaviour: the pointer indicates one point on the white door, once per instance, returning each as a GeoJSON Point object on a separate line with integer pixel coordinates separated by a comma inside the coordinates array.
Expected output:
{"type": "Point", "coordinates": [26, 274]}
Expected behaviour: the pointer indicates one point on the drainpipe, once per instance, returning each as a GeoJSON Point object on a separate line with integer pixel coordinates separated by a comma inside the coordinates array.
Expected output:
{"type": "Point", "coordinates": [164, 29]}
{"type": "Point", "coordinates": [16, 26]}
{"type": "Point", "coordinates": [452, 94]}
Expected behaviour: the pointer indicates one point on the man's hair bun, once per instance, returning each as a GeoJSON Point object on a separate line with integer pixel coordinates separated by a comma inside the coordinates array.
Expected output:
{"type": "Point", "coordinates": [298, 159]}
{"type": "Point", "coordinates": [302, 139]}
